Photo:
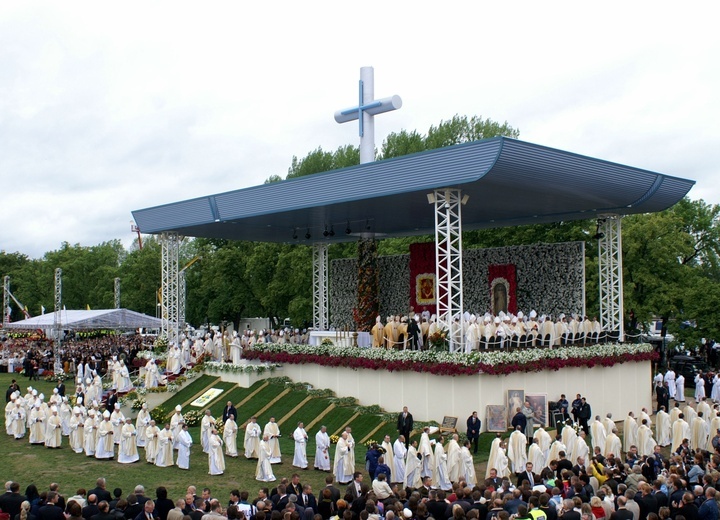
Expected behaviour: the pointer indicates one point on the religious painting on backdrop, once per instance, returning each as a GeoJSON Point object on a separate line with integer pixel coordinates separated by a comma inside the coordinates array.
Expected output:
{"type": "Point", "coordinates": [496, 418]}
{"type": "Point", "coordinates": [502, 281]}
{"type": "Point", "coordinates": [515, 400]}
{"type": "Point", "coordinates": [422, 277]}
{"type": "Point", "coordinates": [539, 405]}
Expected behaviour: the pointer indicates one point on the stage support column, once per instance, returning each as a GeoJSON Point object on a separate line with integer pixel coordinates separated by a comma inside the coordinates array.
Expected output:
{"type": "Point", "coordinates": [368, 283]}
{"type": "Point", "coordinates": [170, 242]}
{"type": "Point", "coordinates": [448, 262]}
{"type": "Point", "coordinates": [611, 275]}
{"type": "Point", "coordinates": [57, 321]}
{"type": "Point", "coordinates": [320, 286]}
{"type": "Point", "coordinates": [6, 300]}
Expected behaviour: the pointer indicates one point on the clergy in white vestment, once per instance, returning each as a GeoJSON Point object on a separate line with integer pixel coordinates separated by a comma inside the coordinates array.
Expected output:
{"type": "Point", "coordinates": [680, 431]}
{"type": "Point", "coordinates": [662, 427]}
{"type": "Point", "coordinates": [216, 459]}
{"type": "Point", "coordinates": [714, 422]}
{"type": "Point", "coordinates": [89, 434]}
{"type": "Point", "coordinates": [117, 418]}
{"type": "Point", "coordinates": [125, 384]}
{"type": "Point", "coordinates": [252, 439]}
{"type": "Point", "coordinates": [164, 455]}
{"type": "Point", "coordinates": [500, 463]}
{"type": "Point", "coordinates": [454, 462]}
{"type": "Point", "coordinates": [699, 386]}
{"type": "Point", "coordinates": [19, 421]}
{"type": "Point", "coordinates": [689, 413]}
{"type": "Point", "coordinates": [517, 444]}
{"type": "Point", "coordinates": [300, 456]}
{"type": "Point", "coordinates": [399, 454]}
{"type": "Point", "coordinates": [230, 436]}
{"type": "Point", "coordinates": [630, 430]}
{"type": "Point", "coordinates": [699, 432]}
{"type": "Point", "coordinates": [77, 431]}
{"type": "Point", "coordinates": [555, 448]}
{"type": "Point", "coordinates": [322, 450]}
{"type": "Point", "coordinates": [9, 408]}
{"type": "Point", "coordinates": [568, 439]}
{"type": "Point", "coordinates": [272, 430]}
{"type": "Point", "coordinates": [580, 449]}
{"type": "Point", "coordinates": [151, 442]}
{"type": "Point", "coordinates": [141, 423]}
{"type": "Point", "coordinates": [387, 450]}
{"type": "Point", "coordinates": [646, 444]}
{"type": "Point", "coordinates": [413, 467]}
{"type": "Point", "coordinates": [543, 441]}
{"type": "Point", "coordinates": [609, 423]}
{"type": "Point", "coordinates": [440, 478]}
{"type": "Point", "coordinates": [263, 471]}
{"type": "Point", "coordinates": [65, 413]}
{"type": "Point", "coordinates": [597, 431]}
{"type": "Point", "coordinates": [715, 392]}
{"type": "Point", "coordinates": [670, 380]}
{"type": "Point", "coordinates": [680, 388]}
{"type": "Point", "coordinates": [425, 450]}
{"type": "Point", "coordinates": [613, 444]}
{"type": "Point", "coordinates": [536, 455]}
{"type": "Point", "coordinates": [207, 425]}
{"type": "Point", "coordinates": [37, 419]}
{"type": "Point", "coordinates": [704, 407]}
{"type": "Point", "coordinates": [351, 450]}
{"type": "Point", "coordinates": [128, 452]}
{"type": "Point", "coordinates": [675, 413]}
{"type": "Point", "coordinates": [235, 349]}
{"type": "Point", "coordinates": [53, 431]}
{"type": "Point", "coordinates": [151, 374]}
{"type": "Point", "coordinates": [341, 462]}
{"type": "Point", "coordinates": [176, 422]}
{"type": "Point", "coordinates": [105, 448]}
{"type": "Point", "coordinates": [468, 471]}
{"type": "Point", "coordinates": [183, 458]}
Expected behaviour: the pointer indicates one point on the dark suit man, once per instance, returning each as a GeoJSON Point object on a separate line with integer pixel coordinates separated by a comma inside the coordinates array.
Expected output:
{"type": "Point", "coordinates": [405, 425]}
{"type": "Point", "coordinates": [51, 511]}
{"type": "Point", "coordinates": [528, 475]}
{"type": "Point", "coordinates": [334, 492]}
{"type": "Point", "coordinates": [61, 389]}
{"type": "Point", "coordinates": [148, 512]}
{"type": "Point", "coordinates": [307, 499]}
{"type": "Point", "coordinates": [11, 501]}
{"type": "Point", "coordinates": [111, 400]}
{"type": "Point", "coordinates": [104, 513]}
{"type": "Point", "coordinates": [228, 410]}
{"type": "Point", "coordinates": [100, 492]}
{"type": "Point", "coordinates": [473, 430]}
{"type": "Point", "coordinates": [355, 486]}
{"type": "Point", "coordinates": [294, 487]}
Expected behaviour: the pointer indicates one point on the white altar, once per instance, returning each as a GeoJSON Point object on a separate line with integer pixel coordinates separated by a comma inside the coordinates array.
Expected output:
{"type": "Point", "coordinates": [340, 338]}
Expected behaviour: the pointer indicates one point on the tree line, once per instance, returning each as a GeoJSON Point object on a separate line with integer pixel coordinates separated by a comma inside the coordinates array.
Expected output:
{"type": "Point", "coordinates": [670, 259]}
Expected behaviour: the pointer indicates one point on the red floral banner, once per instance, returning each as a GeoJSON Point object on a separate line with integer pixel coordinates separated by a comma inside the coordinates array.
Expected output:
{"type": "Point", "coordinates": [422, 277]}
{"type": "Point", "coordinates": [502, 283]}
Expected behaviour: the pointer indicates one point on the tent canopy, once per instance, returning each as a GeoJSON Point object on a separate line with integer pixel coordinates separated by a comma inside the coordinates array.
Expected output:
{"type": "Point", "coordinates": [92, 319]}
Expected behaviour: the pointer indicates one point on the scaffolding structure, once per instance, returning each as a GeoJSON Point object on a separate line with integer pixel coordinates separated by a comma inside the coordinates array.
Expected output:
{"type": "Point", "coordinates": [57, 321]}
{"type": "Point", "coordinates": [320, 286]}
{"type": "Point", "coordinates": [117, 293]}
{"type": "Point", "coordinates": [170, 242]}
{"type": "Point", "coordinates": [611, 279]}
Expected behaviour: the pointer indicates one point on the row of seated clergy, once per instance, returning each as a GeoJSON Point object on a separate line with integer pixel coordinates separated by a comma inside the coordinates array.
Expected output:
{"type": "Point", "coordinates": [560, 332]}
{"type": "Point", "coordinates": [531, 341]}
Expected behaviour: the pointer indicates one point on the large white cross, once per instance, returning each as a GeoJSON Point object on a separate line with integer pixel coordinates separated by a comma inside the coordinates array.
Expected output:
{"type": "Point", "coordinates": [364, 112]}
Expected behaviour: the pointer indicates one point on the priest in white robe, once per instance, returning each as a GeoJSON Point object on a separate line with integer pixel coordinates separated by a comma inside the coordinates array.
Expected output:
{"type": "Point", "coordinates": [413, 467]}
{"type": "Point", "coordinates": [568, 439]}
{"type": "Point", "coordinates": [322, 450]}
{"type": "Point", "coordinates": [646, 443]}
{"type": "Point", "coordinates": [426, 453]}
{"type": "Point", "coordinates": [176, 422]}
{"type": "Point", "coordinates": [699, 432]}
{"type": "Point", "coordinates": [151, 442]}
{"type": "Point", "coordinates": [630, 431]}
{"type": "Point", "coordinates": [300, 456]}
{"type": "Point", "coordinates": [440, 478]}
{"type": "Point", "coordinates": [36, 420]}
{"type": "Point", "coordinates": [680, 431]}
{"type": "Point", "coordinates": [263, 471]}
{"type": "Point", "coordinates": [580, 450]}
{"type": "Point", "coordinates": [105, 448]}
{"type": "Point", "coordinates": [207, 425]}
{"type": "Point", "coordinates": [272, 430]}
{"type": "Point", "coordinates": [89, 434]}
{"type": "Point", "coordinates": [680, 388]}
{"type": "Point", "coordinates": [613, 444]}
{"type": "Point", "coordinates": [454, 462]}
{"type": "Point", "coordinates": [399, 454]}
{"type": "Point", "coordinates": [185, 443]}
{"type": "Point", "coordinates": [516, 450]}
{"type": "Point", "coordinates": [117, 418]}
{"type": "Point", "coordinates": [141, 423]}
{"type": "Point", "coordinates": [597, 431]}
{"type": "Point", "coordinates": [670, 380]}
{"type": "Point", "coordinates": [699, 387]}
{"type": "Point", "coordinates": [53, 431]}
{"type": "Point", "coordinates": [468, 465]}
{"type": "Point", "coordinates": [216, 459]}
{"type": "Point", "coordinates": [230, 436]}
{"type": "Point", "coordinates": [536, 455]}
{"type": "Point", "coordinates": [543, 441]}
{"type": "Point", "coordinates": [164, 455]}
{"type": "Point", "coordinates": [662, 427]}
{"type": "Point", "coordinates": [252, 439]}
{"type": "Point", "coordinates": [387, 450]}
{"type": "Point", "coordinates": [341, 462]}
{"type": "Point", "coordinates": [77, 431]}
{"type": "Point", "coordinates": [609, 423]}
{"type": "Point", "coordinates": [128, 452]}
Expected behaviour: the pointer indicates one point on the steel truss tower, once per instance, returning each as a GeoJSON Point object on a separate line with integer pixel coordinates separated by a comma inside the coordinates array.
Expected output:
{"type": "Point", "coordinates": [448, 265]}
{"type": "Point", "coordinates": [320, 286]}
{"type": "Point", "coordinates": [117, 293]}
{"type": "Point", "coordinates": [57, 321]}
{"type": "Point", "coordinates": [6, 300]}
{"type": "Point", "coordinates": [611, 275]}
{"type": "Point", "coordinates": [170, 242]}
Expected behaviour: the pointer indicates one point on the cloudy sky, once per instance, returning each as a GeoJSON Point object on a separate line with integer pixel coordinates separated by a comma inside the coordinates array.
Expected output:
{"type": "Point", "coordinates": [110, 107]}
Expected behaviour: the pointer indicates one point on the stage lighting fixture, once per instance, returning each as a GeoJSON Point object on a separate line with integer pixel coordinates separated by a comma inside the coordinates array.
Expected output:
{"type": "Point", "coordinates": [307, 235]}
{"type": "Point", "coordinates": [332, 230]}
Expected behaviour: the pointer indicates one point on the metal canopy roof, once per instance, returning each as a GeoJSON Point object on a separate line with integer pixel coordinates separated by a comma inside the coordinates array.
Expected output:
{"type": "Point", "coordinates": [509, 183]}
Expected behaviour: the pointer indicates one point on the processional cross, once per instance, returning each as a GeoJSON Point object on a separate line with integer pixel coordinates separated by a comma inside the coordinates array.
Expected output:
{"type": "Point", "coordinates": [364, 112]}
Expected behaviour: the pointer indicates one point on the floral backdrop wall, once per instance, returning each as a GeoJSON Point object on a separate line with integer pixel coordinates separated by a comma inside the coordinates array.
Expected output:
{"type": "Point", "coordinates": [550, 279]}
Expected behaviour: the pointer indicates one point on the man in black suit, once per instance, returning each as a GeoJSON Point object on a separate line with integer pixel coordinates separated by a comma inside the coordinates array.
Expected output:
{"type": "Point", "coordinates": [100, 491]}
{"type": "Point", "coordinates": [104, 513]}
{"type": "Point", "coordinates": [11, 501]}
{"type": "Point", "coordinates": [405, 425]}
{"type": "Point", "coordinates": [527, 475]}
{"type": "Point", "coordinates": [91, 509]}
{"type": "Point", "coordinates": [228, 410]}
{"type": "Point", "coordinates": [60, 389]}
{"type": "Point", "coordinates": [294, 487]}
{"type": "Point", "coordinates": [473, 430]}
{"type": "Point", "coordinates": [569, 513]}
{"type": "Point", "coordinates": [307, 499]}
{"type": "Point", "coordinates": [148, 512]}
{"type": "Point", "coordinates": [334, 492]}
{"type": "Point", "coordinates": [51, 511]}
{"type": "Point", "coordinates": [11, 390]}
{"type": "Point", "coordinates": [111, 400]}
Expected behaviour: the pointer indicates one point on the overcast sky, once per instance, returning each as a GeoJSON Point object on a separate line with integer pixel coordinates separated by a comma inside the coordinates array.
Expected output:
{"type": "Point", "coordinates": [107, 107]}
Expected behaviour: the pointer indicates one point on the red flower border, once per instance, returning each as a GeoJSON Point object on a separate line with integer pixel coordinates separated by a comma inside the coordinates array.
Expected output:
{"type": "Point", "coordinates": [445, 369]}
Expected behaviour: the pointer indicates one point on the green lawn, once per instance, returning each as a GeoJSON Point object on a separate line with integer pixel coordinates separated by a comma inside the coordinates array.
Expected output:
{"type": "Point", "coordinates": [307, 414]}
{"type": "Point", "coordinates": [281, 408]}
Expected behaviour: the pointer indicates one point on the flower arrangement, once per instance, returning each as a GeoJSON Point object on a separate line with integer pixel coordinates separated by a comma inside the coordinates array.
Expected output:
{"type": "Point", "coordinates": [438, 339]}
{"type": "Point", "coordinates": [172, 387]}
{"type": "Point", "coordinates": [215, 366]}
{"type": "Point", "coordinates": [454, 364]}
{"type": "Point", "coordinates": [161, 343]}
{"type": "Point", "coordinates": [334, 439]}
{"type": "Point", "coordinates": [369, 443]}
{"type": "Point", "coordinates": [220, 427]}
{"type": "Point", "coordinates": [51, 377]}
{"type": "Point", "coordinates": [160, 415]}
{"type": "Point", "coordinates": [327, 342]}
{"type": "Point", "coordinates": [137, 403]}
{"type": "Point", "coordinates": [192, 417]}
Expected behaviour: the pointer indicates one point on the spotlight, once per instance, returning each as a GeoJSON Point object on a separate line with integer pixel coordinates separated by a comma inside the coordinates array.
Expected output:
{"type": "Point", "coordinates": [307, 235]}
{"type": "Point", "coordinates": [326, 233]}
{"type": "Point", "coordinates": [294, 234]}
{"type": "Point", "coordinates": [347, 229]}
{"type": "Point", "coordinates": [332, 230]}
{"type": "Point", "coordinates": [367, 225]}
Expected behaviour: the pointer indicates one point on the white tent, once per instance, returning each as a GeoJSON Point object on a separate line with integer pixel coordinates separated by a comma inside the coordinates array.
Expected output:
{"type": "Point", "coordinates": [92, 319]}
